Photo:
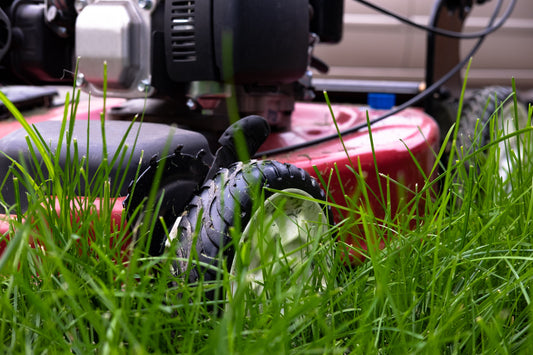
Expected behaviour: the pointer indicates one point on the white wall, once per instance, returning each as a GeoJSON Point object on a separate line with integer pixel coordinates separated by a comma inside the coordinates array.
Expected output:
{"type": "Point", "coordinates": [378, 47]}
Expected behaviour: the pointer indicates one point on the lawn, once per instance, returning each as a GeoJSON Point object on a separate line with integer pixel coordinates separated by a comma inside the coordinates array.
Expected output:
{"type": "Point", "coordinates": [457, 281]}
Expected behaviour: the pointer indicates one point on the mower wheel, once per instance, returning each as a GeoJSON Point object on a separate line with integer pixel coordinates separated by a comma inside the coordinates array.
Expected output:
{"type": "Point", "coordinates": [491, 106]}
{"type": "Point", "coordinates": [479, 108]}
{"type": "Point", "coordinates": [250, 215]}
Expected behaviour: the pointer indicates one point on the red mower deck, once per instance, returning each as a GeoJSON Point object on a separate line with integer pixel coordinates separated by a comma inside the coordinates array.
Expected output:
{"type": "Point", "coordinates": [403, 148]}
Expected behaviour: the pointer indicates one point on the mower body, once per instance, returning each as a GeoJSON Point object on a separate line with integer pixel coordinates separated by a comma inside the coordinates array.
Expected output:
{"type": "Point", "coordinates": [395, 158]}
{"type": "Point", "coordinates": [201, 65]}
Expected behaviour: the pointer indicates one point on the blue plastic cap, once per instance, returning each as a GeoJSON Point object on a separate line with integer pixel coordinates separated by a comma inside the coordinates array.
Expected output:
{"type": "Point", "coordinates": [380, 101]}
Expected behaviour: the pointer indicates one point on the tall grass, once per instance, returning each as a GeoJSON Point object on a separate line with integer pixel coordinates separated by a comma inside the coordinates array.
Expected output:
{"type": "Point", "coordinates": [458, 282]}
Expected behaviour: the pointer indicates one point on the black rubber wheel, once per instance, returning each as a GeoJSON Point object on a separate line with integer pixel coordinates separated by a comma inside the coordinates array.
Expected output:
{"type": "Point", "coordinates": [478, 109]}
{"type": "Point", "coordinates": [491, 105]}
{"type": "Point", "coordinates": [235, 202]}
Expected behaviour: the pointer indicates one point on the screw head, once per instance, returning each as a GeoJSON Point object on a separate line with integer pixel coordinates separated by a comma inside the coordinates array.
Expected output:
{"type": "Point", "coordinates": [51, 13]}
{"type": "Point", "coordinates": [191, 104]}
{"type": "Point", "coordinates": [146, 4]}
{"type": "Point", "coordinates": [144, 85]}
{"type": "Point", "coordinates": [80, 80]}
{"type": "Point", "coordinates": [80, 5]}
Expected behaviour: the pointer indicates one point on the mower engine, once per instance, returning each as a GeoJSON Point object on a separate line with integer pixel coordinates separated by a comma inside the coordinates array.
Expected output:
{"type": "Point", "coordinates": [192, 53]}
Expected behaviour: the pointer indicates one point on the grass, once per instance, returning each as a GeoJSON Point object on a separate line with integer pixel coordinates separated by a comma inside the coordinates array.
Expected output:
{"type": "Point", "coordinates": [458, 282]}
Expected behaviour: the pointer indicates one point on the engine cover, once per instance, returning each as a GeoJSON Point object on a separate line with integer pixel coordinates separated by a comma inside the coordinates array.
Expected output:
{"type": "Point", "coordinates": [164, 44]}
{"type": "Point", "coordinates": [116, 32]}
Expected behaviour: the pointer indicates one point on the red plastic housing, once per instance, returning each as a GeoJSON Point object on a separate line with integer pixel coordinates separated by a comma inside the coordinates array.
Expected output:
{"type": "Point", "coordinates": [402, 147]}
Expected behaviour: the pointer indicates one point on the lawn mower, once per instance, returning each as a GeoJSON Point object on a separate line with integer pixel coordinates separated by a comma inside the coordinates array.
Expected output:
{"type": "Point", "coordinates": [225, 89]}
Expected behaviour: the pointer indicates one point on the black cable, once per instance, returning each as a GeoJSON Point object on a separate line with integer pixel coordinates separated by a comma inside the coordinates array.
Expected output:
{"type": "Point", "coordinates": [472, 35]}
{"type": "Point", "coordinates": [419, 97]}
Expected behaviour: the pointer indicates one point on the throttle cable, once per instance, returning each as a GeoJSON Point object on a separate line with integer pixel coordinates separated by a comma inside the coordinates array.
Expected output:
{"type": "Point", "coordinates": [417, 98]}
{"type": "Point", "coordinates": [472, 35]}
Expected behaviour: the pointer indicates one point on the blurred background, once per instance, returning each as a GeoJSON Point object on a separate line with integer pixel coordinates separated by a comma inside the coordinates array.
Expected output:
{"type": "Point", "coordinates": [378, 47]}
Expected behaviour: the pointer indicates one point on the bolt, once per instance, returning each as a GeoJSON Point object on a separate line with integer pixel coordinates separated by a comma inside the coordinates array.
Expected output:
{"type": "Point", "coordinates": [51, 13]}
{"type": "Point", "coordinates": [146, 4]}
{"type": "Point", "coordinates": [80, 80]}
{"type": "Point", "coordinates": [80, 4]}
{"type": "Point", "coordinates": [191, 104]}
{"type": "Point", "coordinates": [144, 85]}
